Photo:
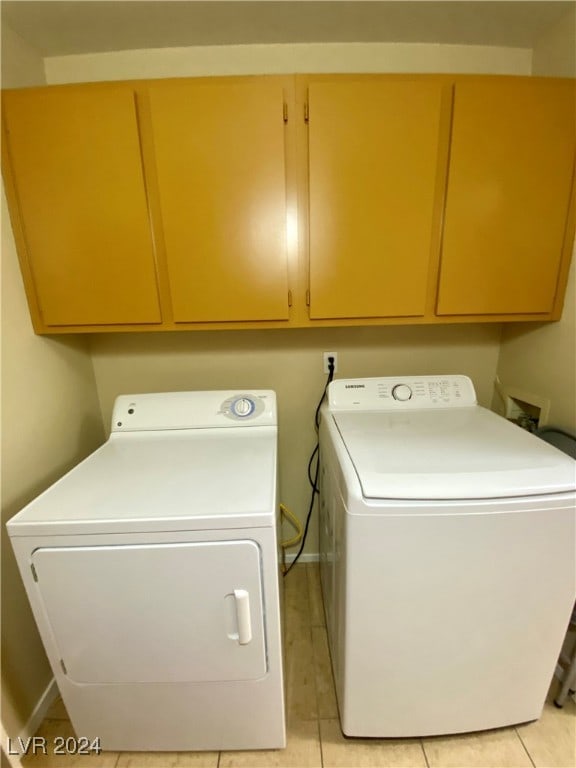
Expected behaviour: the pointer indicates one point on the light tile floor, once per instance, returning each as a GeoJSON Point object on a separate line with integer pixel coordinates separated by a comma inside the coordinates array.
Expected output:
{"type": "Point", "coordinates": [314, 736]}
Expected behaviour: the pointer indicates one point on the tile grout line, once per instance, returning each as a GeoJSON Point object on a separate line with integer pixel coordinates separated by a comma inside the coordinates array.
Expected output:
{"type": "Point", "coordinates": [525, 747]}
{"type": "Point", "coordinates": [424, 752]}
{"type": "Point", "coordinates": [314, 659]}
{"type": "Point", "coordinates": [323, 626]}
{"type": "Point", "coordinates": [320, 743]}
{"type": "Point", "coordinates": [314, 664]}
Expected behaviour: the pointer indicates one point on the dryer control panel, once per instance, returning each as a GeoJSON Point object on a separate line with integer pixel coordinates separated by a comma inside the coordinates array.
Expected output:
{"type": "Point", "coordinates": [393, 393]}
{"type": "Point", "coordinates": [243, 407]}
{"type": "Point", "coordinates": [194, 410]}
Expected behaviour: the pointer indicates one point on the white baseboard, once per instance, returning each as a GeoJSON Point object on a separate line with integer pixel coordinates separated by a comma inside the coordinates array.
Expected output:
{"type": "Point", "coordinates": [10, 745]}
{"type": "Point", "coordinates": [13, 760]}
{"type": "Point", "coordinates": [559, 672]}
{"type": "Point", "coordinates": [40, 710]}
{"type": "Point", "coordinates": [313, 557]}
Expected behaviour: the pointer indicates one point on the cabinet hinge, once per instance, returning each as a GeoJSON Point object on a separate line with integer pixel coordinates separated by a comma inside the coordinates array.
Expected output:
{"type": "Point", "coordinates": [34, 574]}
{"type": "Point", "coordinates": [307, 298]}
{"type": "Point", "coordinates": [285, 112]}
{"type": "Point", "coordinates": [63, 666]}
{"type": "Point", "coordinates": [289, 298]}
{"type": "Point", "coordinates": [306, 112]}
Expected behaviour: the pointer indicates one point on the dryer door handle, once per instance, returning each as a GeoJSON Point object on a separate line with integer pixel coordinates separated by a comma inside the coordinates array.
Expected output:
{"type": "Point", "coordinates": [242, 598]}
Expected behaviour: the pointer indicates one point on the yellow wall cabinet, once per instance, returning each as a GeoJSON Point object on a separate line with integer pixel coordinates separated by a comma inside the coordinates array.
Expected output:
{"type": "Point", "coordinates": [508, 196]}
{"type": "Point", "coordinates": [439, 199]}
{"type": "Point", "coordinates": [291, 201]}
{"type": "Point", "coordinates": [82, 224]}
{"type": "Point", "coordinates": [140, 206]}
{"type": "Point", "coordinates": [377, 156]}
{"type": "Point", "coordinates": [221, 180]}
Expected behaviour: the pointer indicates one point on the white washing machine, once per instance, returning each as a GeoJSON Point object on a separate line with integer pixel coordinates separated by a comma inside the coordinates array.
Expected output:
{"type": "Point", "coordinates": [152, 572]}
{"type": "Point", "coordinates": [447, 558]}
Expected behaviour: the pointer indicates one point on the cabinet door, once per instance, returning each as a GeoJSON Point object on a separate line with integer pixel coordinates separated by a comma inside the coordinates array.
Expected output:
{"type": "Point", "coordinates": [219, 149]}
{"type": "Point", "coordinates": [373, 160]}
{"type": "Point", "coordinates": [81, 199]}
{"type": "Point", "coordinates": [511, 165]}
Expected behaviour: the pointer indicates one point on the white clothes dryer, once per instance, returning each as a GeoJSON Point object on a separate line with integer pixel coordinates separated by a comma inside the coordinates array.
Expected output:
{"type": "Point", "coordinates": [448, 568]}
{"type": "Point", "coordinates": [152, 572]}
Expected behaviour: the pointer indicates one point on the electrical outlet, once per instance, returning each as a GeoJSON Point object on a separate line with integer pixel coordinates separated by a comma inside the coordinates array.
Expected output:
{"type": "Point", "coordinates": [325, 356]}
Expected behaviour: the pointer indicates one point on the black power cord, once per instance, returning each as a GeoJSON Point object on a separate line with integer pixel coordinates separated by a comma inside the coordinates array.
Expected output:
{"type": "Point", "coordinates": [313, 480]}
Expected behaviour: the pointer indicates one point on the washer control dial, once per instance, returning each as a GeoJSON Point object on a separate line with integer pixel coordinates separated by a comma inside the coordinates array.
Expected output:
{"type": "Point", "coordinates": [243, 407]}
{"type": "Point", "coordinates": [401, 392]}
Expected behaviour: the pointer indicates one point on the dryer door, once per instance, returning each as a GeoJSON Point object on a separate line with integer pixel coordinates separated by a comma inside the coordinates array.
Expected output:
{"type": "Point", "coordinates": [155, 613]}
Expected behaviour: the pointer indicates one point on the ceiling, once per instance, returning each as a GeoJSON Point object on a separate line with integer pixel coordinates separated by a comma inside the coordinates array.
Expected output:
{"type": "Point", "coordinates": [91, 26]}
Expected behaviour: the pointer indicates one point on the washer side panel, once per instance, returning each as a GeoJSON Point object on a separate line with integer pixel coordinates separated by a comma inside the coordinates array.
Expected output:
{"type": "Point", "coordinates": [453, 623]}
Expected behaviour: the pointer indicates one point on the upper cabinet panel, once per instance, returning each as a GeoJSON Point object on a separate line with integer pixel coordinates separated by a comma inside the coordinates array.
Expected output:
{"type": "Point", "coordinates": [511, 166]}
{"type": "Point", "coordinates": [220, 161]}
{"type": "Point", "coordinates": [374, 150]}
{"type": "Point", "coordinates": [212, 203]}
{"type": "Point", "coordinates": [84, 231]}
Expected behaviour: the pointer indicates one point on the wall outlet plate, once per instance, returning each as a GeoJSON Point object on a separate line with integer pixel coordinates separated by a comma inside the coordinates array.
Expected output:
{"type": "Point", "coordinates": [325, 356]}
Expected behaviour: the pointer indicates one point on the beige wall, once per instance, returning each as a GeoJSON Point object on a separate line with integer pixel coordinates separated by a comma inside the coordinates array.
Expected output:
{"type": "Point", "coordinates": [554, 53]}
{"type": "Point", "coordinates": [21, 64]}
{"type": "Point", "coordinates": [50, 420]}
{"type": "Point", "coordinates": [50, 414]}
{"type": "Point", "coordinates": [290, 362]}
{"type": "Point", "coordinates": [279, 59]}
{"type": "Point", "coordinates": [541, 359]}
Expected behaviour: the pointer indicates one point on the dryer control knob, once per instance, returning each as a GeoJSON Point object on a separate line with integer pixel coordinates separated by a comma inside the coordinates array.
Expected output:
{"type": "Point", "coordinates": [243, 407]}
{"type": "Point", "coordinates": [402, 392]}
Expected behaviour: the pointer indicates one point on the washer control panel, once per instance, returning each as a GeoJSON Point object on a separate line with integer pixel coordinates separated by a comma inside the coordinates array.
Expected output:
{"type": "Point", "coordinates": [409, 392]}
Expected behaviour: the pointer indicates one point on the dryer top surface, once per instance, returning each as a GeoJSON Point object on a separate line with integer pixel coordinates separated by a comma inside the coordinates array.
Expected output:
{"type": "Point", "coordinates": [164, 480]}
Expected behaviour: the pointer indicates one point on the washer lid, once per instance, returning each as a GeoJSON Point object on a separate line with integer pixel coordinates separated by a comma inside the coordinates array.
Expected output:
{"type": "Point", "coordinates": [173, 480]}
{"type": "Point", "coordinates": [455, 453]}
